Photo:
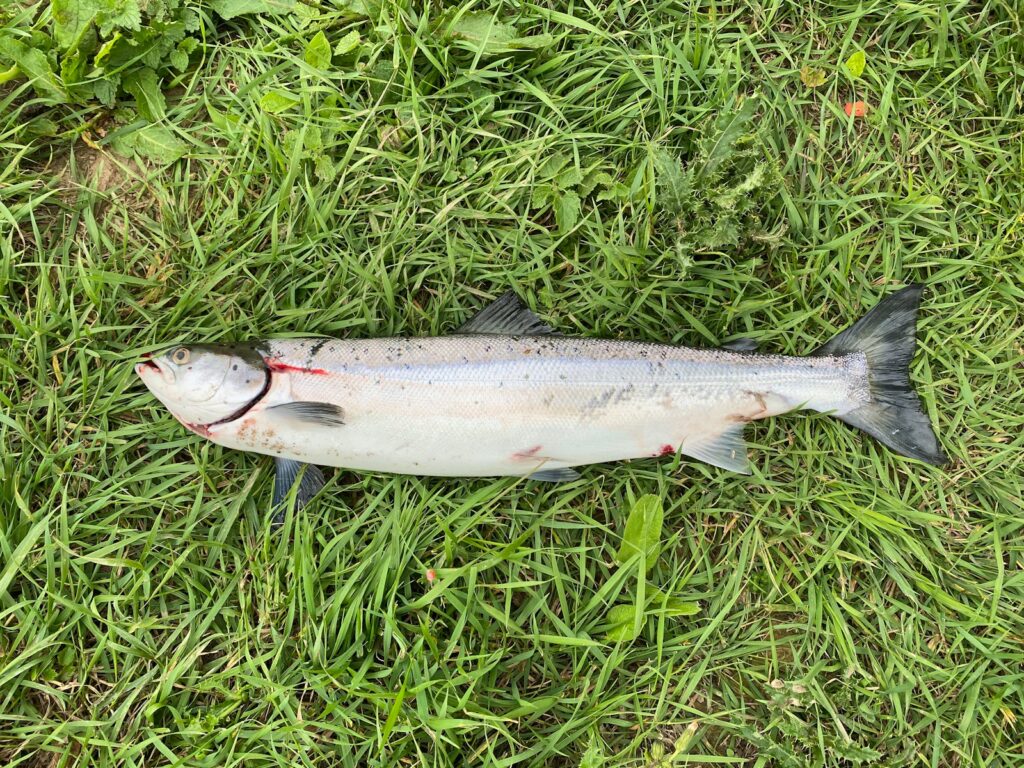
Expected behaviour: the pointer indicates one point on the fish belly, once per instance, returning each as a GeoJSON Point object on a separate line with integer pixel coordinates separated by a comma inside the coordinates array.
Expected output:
{"type": "Point", "coordinates": [489, 437]}
{"type": "Point", "coordinates": [480, 430]}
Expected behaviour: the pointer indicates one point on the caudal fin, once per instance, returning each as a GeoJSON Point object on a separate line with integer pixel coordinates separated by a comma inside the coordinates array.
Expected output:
{"type": "Point", "coordinates": [886, 337]}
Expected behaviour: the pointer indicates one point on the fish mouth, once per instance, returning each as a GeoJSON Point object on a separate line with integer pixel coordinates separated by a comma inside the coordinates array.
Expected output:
{"type": "Point", "coordinates": [147, 365]}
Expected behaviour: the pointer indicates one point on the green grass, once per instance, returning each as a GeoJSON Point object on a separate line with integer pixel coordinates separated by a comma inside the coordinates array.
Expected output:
{"type": "Point", "coordinates": [855, 607]}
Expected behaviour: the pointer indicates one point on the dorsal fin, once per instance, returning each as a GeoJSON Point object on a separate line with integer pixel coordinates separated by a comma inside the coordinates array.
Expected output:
{"type": "Point", "coordinates": [506, 316]}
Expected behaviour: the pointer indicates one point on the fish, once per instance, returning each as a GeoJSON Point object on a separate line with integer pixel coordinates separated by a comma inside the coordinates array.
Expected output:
{"type": "Point", "coordinates": [506, 395]}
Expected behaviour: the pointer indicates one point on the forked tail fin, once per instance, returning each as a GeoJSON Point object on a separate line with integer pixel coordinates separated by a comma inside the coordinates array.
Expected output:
{"type": "Point", "coordinates": [886, 337]}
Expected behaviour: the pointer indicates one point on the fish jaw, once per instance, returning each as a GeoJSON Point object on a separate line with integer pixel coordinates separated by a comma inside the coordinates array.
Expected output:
{"type": "Point", "coordinates": [153, 373]}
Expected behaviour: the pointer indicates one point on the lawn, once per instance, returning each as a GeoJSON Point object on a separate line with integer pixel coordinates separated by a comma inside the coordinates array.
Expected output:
{"type": "Point", "coordinates": [682, 172]}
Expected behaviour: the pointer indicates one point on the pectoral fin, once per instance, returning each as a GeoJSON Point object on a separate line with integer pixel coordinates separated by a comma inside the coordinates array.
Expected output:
{"type": "Point", "coordinates": [726, 450]}
{"type": "Point", "coordinates": [563, 475]}
{"type": "Point", "coordinates": [322, 414]}
{"type": "Point", "coordinates": [287, 472]}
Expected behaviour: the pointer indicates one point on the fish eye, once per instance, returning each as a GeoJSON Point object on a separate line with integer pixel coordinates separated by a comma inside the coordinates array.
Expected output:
{"type": "Point", "coordinates": [180, 356]}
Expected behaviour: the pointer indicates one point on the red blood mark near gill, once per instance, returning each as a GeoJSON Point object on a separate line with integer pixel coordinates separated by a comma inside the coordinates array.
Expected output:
{"type": "Point", "coordinates": [529, 453]}
{"type": "Point", "coordinates": [666, 450]}
{"type": "Point", "coordinates": [280, 367]}
{"type": "Point", "coordinates": [199, 429]}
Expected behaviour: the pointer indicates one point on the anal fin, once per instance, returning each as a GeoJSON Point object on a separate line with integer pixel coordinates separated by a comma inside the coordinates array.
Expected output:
{"type": "Point", "coordinates": [726, 450]}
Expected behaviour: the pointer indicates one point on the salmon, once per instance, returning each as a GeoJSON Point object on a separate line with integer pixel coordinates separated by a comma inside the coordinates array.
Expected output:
{"type": "Point", "coordinates": [507, 396]}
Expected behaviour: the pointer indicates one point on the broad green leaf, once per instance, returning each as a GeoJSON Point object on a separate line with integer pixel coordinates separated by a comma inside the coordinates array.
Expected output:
{"type": "Point", "coordinates": [812, 77]}
{"type": "Point", "coordinates": [228, 9]}
{"type": "Point", "coordinates": [105, 49]}
{"type": "Point", "coordinates": [9, 74]}
{"type": "Point", "coordinates": [178, 59]}
{"type": "Point", "coordinates": [154, 142]}
{"type": "Point", "coordinates": [358, 8]}
{"type": "Point", "coordinates": [621, 620]}
{"type": "Point", "coordinates": [347, 43]}
{"type": "Point", "coordinates": [34, 66]}
{"type": "Point", "coordinates": [676, 607]}
{"type": "Point", "coordinates": [855, 64]}
{"type": "Point", "coordinates": [41, 126]}
{"type": "Point", "coordinates": [106, 90]}
{"type": "Point", "coordinates": [674, 183]}
{"type": "Point", "coordinates": [483, 31]}
{"type": "Point", "coordinates": [670, 606]}
{"type": "Point", "coordinates": [144, 85]}
{"type": "Point", "coordinates": [71, 18]}
{"type": "Point", "coordinates": [278, 101]}
{"type": "Point", "coordinates": [552, 165]}
{"type": "Point", "coordinates": [616, 191]}
{"type": "Point", "coordinates": [313, 140]}
{"type": "Point", "coordinates": [318, 51]}
{"type": "Point", "coordinates": [325, 168]}
{"type": "Point", "coordinates": [125, 14]}
{"type": "Point", "coordinates": [484, 34]}
{"type": "Point", "coordinates": [567, 210]}
{"type": "Point", "coordinates": [542, 195]}
{"type": "Point", "coordinates": [854, 754]}
{"type": "Point", "coordinates": [730, 128]}
{"type": "Point", "coordinates": [643, 531]}
{"type": "Point", "coordinates": [179, 56]}
{"type": "Point", "coordinates": [594, 179]}
{"type": "Point", "coordinates": [569, 177]}
{"type": "Point", "coordinates": [733, 196]}
{"type": "Point", "coordinates": [158, 143]}
{"type": "Point", "coordinates": [532, 42]}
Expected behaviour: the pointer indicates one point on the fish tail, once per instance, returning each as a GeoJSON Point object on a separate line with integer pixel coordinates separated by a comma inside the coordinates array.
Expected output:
{"type": "Point", "coordinates": [893, 413]}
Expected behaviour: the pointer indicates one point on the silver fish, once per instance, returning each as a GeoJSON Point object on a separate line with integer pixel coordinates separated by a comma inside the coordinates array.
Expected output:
{"type": "Point", "coordinates": [506, 395]}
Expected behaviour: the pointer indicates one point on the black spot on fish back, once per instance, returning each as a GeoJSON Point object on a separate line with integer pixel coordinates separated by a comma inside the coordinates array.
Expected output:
{"type": "Point", "coordinates": [314, 348]}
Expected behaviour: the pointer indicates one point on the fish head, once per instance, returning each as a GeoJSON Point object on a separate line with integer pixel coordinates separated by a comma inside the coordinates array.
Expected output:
{"type": "Point", "coordinates": [203, 385]}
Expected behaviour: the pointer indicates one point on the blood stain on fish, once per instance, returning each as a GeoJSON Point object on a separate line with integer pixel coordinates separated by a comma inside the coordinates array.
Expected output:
{"type": "Point", "coordinates": [529, 453]}
{"type": "Point", "coordinates": [279, 367]}
{"type": "Point", "coordinates": [666, 450]}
